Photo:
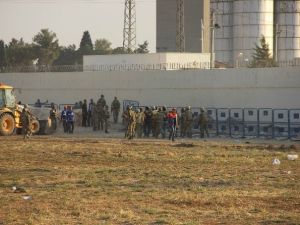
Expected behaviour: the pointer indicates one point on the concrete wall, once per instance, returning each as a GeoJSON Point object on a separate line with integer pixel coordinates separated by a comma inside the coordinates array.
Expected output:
{"type": "Point", "coordinates": [265, 88]}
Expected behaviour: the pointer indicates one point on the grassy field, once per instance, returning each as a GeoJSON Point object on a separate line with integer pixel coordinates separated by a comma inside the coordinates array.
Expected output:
{"type": "Point", "coordinates": [92, 181]}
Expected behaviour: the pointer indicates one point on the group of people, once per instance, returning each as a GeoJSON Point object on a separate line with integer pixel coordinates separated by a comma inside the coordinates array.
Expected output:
{"type": "Point", "coordinates": [158, 121]}
{"type": "Point", "coordinates": [97, 114]}
{"type": "Point", "coordinates": [139, 122]}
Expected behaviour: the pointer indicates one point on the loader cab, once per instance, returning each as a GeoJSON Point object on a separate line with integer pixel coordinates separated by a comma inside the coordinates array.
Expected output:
{"type": "Point", "coordinates": [7, 97]}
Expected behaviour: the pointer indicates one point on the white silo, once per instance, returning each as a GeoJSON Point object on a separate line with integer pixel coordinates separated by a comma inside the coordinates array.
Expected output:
{"type": "Point", "coordinates": [223, 35]}
{"type": "Point", "coordinates": [252, 19]}
{"type": "Point", "coordinates": [288, 20]}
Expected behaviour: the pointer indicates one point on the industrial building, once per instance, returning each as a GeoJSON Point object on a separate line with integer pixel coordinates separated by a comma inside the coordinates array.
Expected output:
{"type": "Point", "coordinates": [195, 11]}
{"type": "Point", "coordinates": [241, 24]}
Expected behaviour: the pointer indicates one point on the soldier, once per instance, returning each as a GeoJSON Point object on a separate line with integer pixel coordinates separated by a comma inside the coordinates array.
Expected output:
{"type": "Point", "coordinates": [182, 122]}
{"type": "Point", "coordinates": [63, 118]}
{"type": "Point", "coordinates": [203, 123]}
{"type": "Point", "coordinates": [155, 127]}
{"type": "Point", "coordinates": [70, 119]}
{"type": "Point", "coordinates": [140, 117]}
{"type": "Point", "coordinates": [147, 122]}
{"type": "Point", "coordinates": [89, 116]}
{"type": "Point", "coordinates": [125, 117]}
{"type": "Point", "coordinates": [132, 123]}
{"type": "Point", "coordinates": [84, 111]}
{"type": "Point", "coordinates": [106, 116]}
{"type": "Point", "coordinates": [53, 116]}
{"type": "Point", "coordinates": [115, 109]}
{"type": "Point", "coordinates": [100, 107]}
{"type": "Point", "coordinates": [95, 117]}
{"type": "Point", "coordinates": [162, 121]}
{"type": "Point", "coordinates": [26, 122]}
{"type": "Point", "coordinates": [188, 122]}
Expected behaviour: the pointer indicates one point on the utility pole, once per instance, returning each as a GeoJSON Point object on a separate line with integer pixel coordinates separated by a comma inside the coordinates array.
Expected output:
{"type": "Point", "coordinates": [212, 40]}
{"type": "Point", "coordinates": [277, 33]}
{"type": "Point", "coordinates": [202, 36]}
{"type": "Point", "coordinates": [213, 26]}
{"type": "Point", "coordinates": [129, 31]}
{"type": "Point", "coordinates": [180, 42]}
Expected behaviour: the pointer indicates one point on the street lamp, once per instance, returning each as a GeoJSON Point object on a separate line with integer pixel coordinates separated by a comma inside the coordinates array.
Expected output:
{"type": "Point", "coordinates": [237, 61]}
{"type": "Point", "coordinates": [213, 26]}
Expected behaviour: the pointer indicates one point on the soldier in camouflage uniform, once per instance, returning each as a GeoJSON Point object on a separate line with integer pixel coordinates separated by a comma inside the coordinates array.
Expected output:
{"type": "Point", "coordinates": [26, 122]}
{"type": "Point", "coordinates": [182, 123]}
{"type": "Point", "coordinates": [162, 117]}
{"type": "Point", "coordinates": [100, 107]}
{"type": "Point", "coordinates": [140, 118]}
{"type": "Point", "coordinates": [95, 117]}
{"type": "Point", "coordinates": [106, 116]}
{"type": "Point", "coordinates": [203, 121]}
{"type": "Point", "coordinates": [155, 126]}
{"type": "Point", "coordinates": [188, 122]}
{"type": "Point", "coordinates": [115, 109]}
{"type": "Point", "coordinates": [132, 123]}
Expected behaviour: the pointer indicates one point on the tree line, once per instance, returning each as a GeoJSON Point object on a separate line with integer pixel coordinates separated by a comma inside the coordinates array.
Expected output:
{"type": "Point", "coordinates": [45, 50]}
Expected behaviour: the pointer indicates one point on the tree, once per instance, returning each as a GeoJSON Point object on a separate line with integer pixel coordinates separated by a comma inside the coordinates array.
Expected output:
{"type": "Point", "coordinates": [20, 53]}
{"type": "Point", "coordinates": [119, 50]}
{"type": "Point", "coordinates": [3, 59]}
{"type": "Point", "coordinates": [86, 44]}
{"type": "Point", "coordinates": [262, 56]}
{"type": "Point", "coordinates": [68, 56]}
{"type": "Point", "coordinates": [102, 47]}
{"type": "Point", "coordinates": [46, 47]}
{"type": "Point", "coordinates": [143, 48]}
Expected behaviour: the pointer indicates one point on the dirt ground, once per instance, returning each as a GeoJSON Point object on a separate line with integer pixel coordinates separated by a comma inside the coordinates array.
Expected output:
{"type": "Point", "coordinates": [96, 178]}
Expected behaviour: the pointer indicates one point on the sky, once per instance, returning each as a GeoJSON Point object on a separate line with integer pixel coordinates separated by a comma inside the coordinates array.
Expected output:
{"type": "Point", "coordinates": [70, 18]}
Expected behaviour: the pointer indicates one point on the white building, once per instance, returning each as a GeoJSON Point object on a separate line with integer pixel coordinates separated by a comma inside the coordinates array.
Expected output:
{"type": "Point", "coordinates": [149, 61]}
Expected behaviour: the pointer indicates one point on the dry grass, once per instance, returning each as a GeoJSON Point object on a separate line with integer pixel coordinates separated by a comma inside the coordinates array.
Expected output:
{"type": "Point", "coordinates": [113, 181]}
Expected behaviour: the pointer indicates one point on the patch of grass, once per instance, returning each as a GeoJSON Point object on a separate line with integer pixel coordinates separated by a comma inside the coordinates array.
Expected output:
{"type": "Point", "coordinates": [108, 181]}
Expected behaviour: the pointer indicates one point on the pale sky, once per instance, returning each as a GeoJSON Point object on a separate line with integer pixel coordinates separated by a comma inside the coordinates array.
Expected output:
{"type": "Point", "coordinates": [70, 18]}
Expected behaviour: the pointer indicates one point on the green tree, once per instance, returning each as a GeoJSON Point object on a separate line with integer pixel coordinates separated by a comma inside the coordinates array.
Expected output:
{"type": "Point", "coordinates": [103, 47]}
{"type": "Point", "coordinates": [3, 60]}
{"type": "Point", "coordinates": [46, 47]}
{"type": "Point", "coordinates": [20, 53]}
{"type": "Point", "coordinates": [143, 48]}
{"type": "Point", "coordinates": [68, 56]}
{"type": "Point", "coordinates": [119, 50]}
{"type": "Point", "coordinates": [86, 44]}
{"type": "Point", "coordinates": [262, 56]}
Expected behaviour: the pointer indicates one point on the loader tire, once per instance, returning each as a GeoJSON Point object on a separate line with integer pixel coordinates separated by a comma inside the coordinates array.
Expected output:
{"type": "Point", "coordinates": [35, 126]}
{"type": "Point", "coordinates": [7, 124]}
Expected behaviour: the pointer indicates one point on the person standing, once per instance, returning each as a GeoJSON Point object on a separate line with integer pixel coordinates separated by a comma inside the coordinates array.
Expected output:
{"type": "Point", "coordinates": [132, 123]}
{"type": "Point", "coordinates": [100, 107]}
{"type": "Point", "coordinates": [106, 116]}
{"type": "Point", "coordinates": [89, 116]}
{"type": "Point", "coordinates": [140, 117]}
{"type": "Point", "coordinates": [63, 118]}
{"type": "Point", "coordinates": [95, 117]}
{"type": "Point", "coordinates": [189, 122]}
{"type": "Point", "coordinates": [70, 120]}
{"type": "Point", "coordinates": [53, 116]}
{"type": "Point", "coordinates": [26, 122]}
{"type": "Point", "coordinates": [84, 111]}
{"type": "Point", "coordinates": [115, 109]}
{"type": "Point", "coordinates": [203, 121]}
{"type": "Point", "coordinates": [173, 123]}
{"type": "Point", "coordinates": [147, 122]}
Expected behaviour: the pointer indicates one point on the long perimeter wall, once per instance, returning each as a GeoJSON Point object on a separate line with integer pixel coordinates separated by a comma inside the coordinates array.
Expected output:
{"type": "Point", "coordinates": [259, 88]}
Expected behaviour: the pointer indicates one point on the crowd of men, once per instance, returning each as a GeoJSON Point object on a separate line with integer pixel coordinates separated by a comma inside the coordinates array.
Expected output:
{"type": "Point", "coordinates": [143, 122]}
{"type": "Point", "coordinates": [158, 121]}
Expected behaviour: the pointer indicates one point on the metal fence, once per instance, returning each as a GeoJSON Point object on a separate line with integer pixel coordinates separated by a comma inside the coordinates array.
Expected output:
{"type": "Point", "coordinates": [132, 67]}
